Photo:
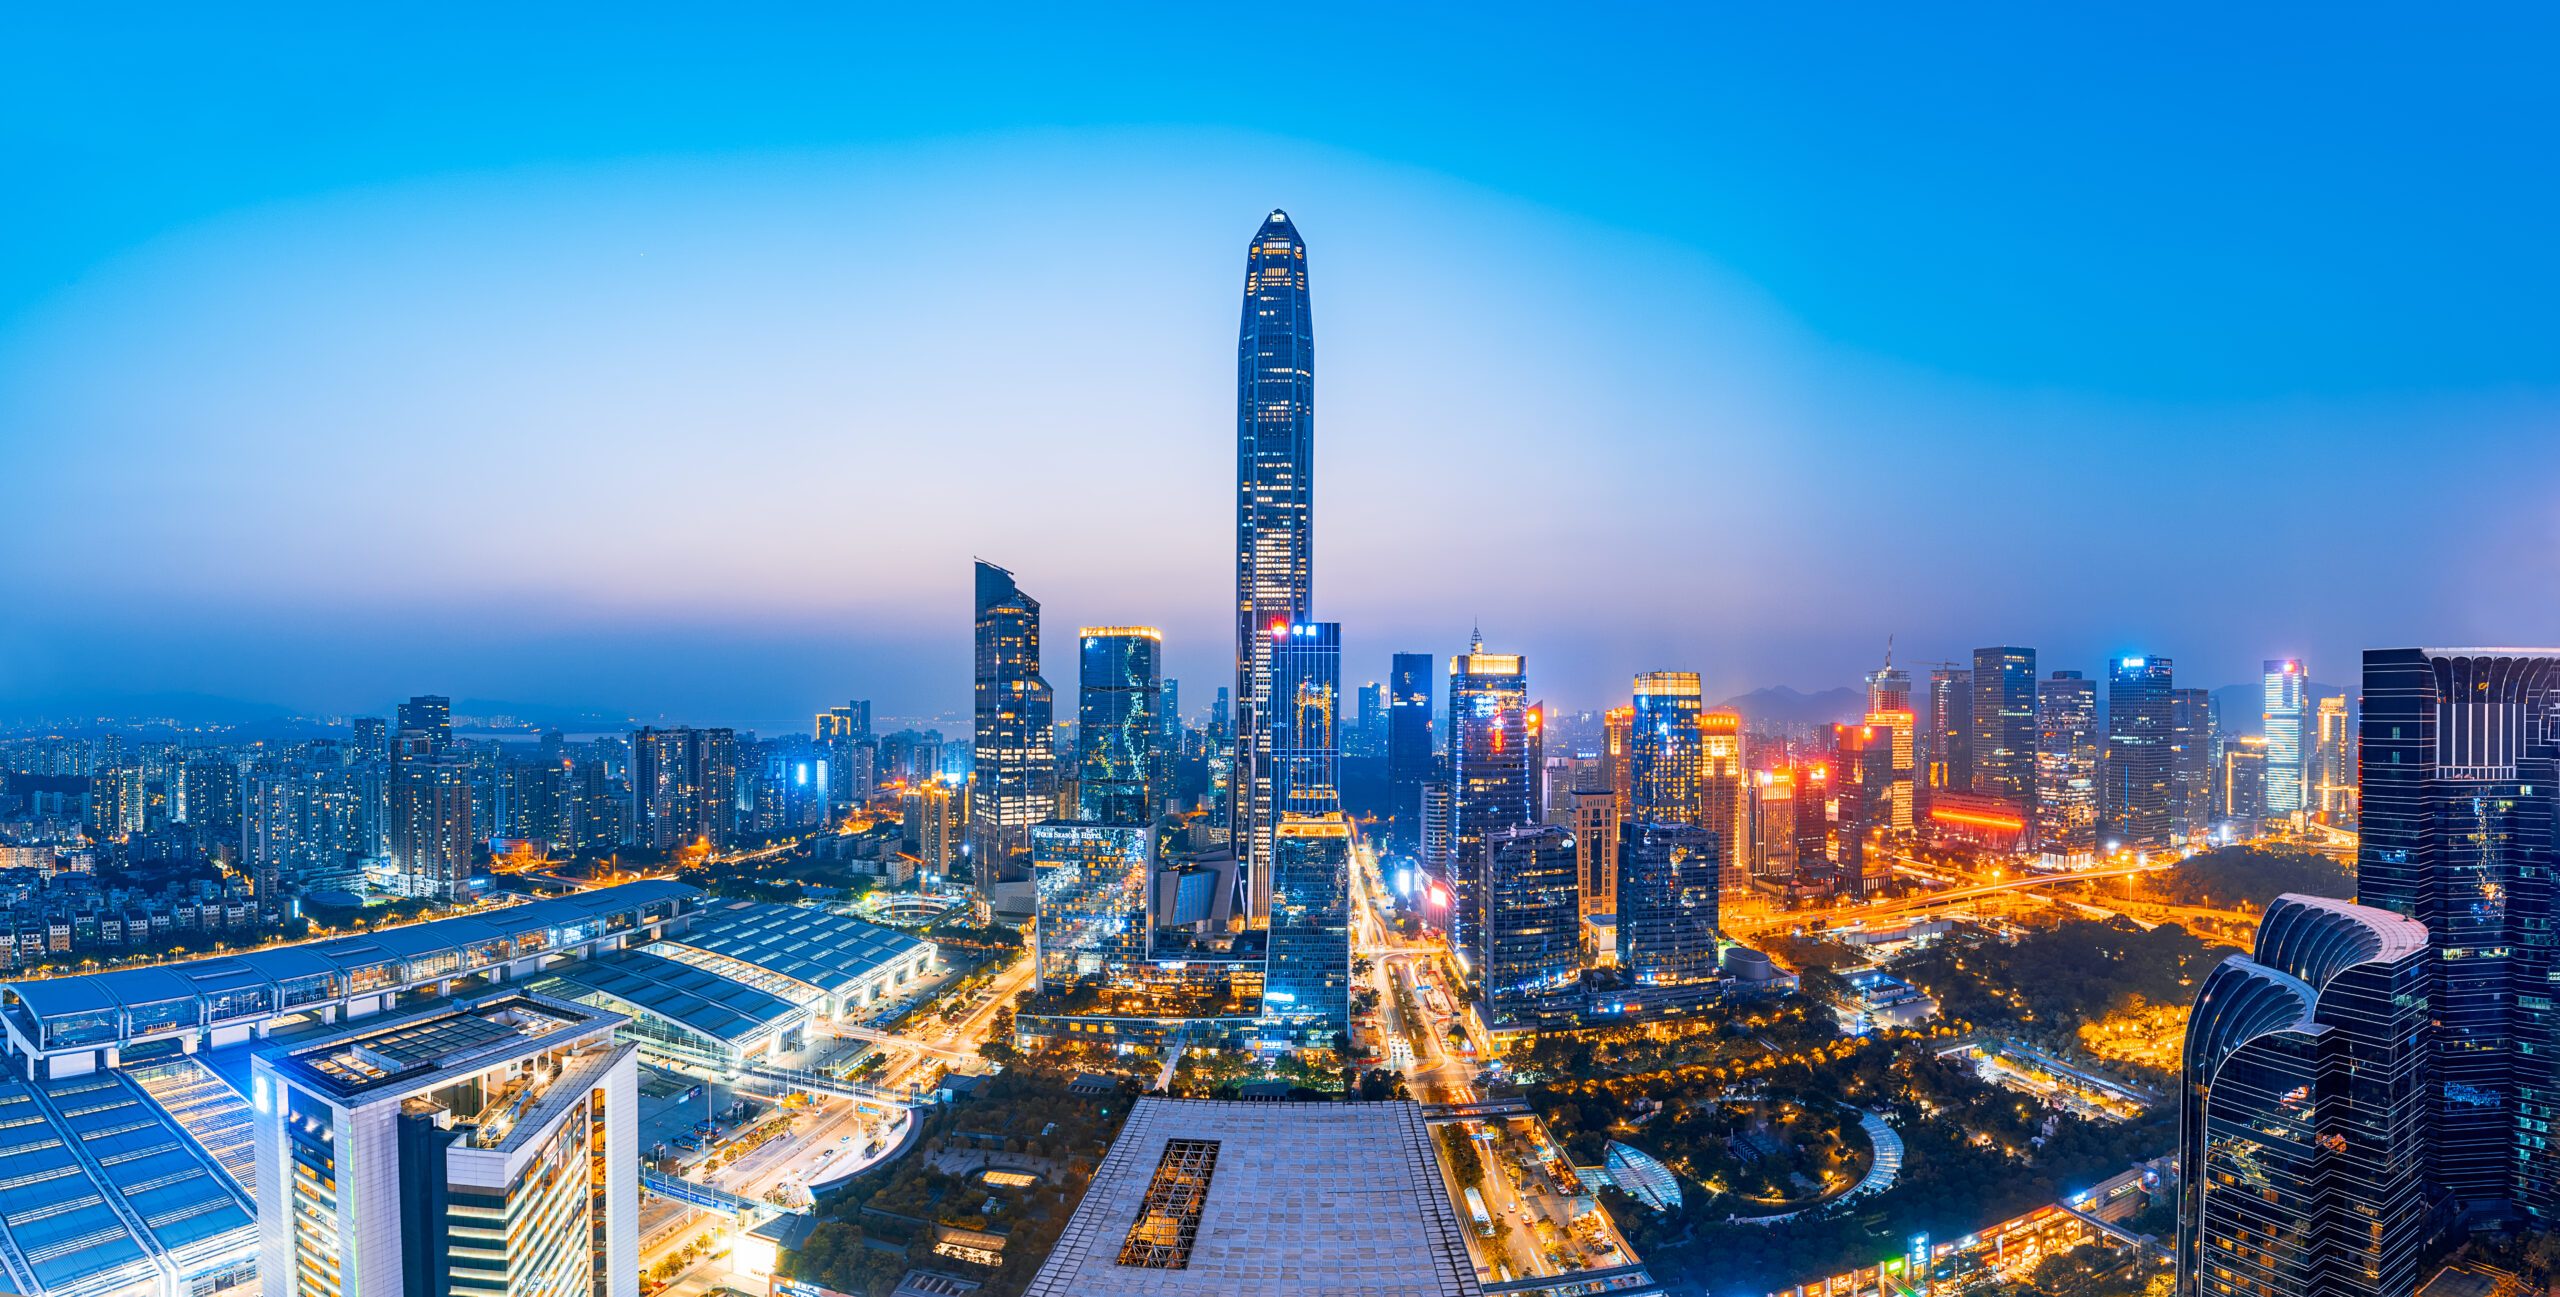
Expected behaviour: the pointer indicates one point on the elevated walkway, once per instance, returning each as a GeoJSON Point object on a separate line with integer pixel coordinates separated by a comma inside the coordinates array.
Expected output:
{"type": "Point", "coordinates": [792, 1078]}
{"type": "Point", "coordinates": [1437, 1113]}
{"type": "Point", "coordinates": [1623, 1281]}
{"type": "Point", "coordinates": [746, 1211]}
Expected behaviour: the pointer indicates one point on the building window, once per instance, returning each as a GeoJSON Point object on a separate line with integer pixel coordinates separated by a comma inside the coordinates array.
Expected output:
{"type": "Point", "coordinates": [1170, 1218]}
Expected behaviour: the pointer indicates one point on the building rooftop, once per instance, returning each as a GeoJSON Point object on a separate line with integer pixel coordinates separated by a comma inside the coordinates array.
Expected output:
{"type": "Point", "coordinates": [103, 1190]}
{"type": "Point", "coordinates": [724, 1010]}
{"type": "Point", "coordinates": [829, 952]}
{"type": "Point", "coordinates": [1288, 1200]}
{"type": "Point", "coordinates": [406, 1053]}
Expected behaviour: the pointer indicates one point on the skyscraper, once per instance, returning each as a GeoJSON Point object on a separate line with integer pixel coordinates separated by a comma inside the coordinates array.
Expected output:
{"type": "Point", "coordinates": [1663, 748]}
{"type": "Point", "coordinates": [1014, 782]}
{"type": "Point", "coordinates": [1950, 729]}
{"type": "Point", "coordinates": [684, 786]}
{"type": "Point", "coordinates": [2459, 763]}
{"type": "Point", "coordinates": [2303, 1123]}
{"type": "Point", "coordinates": [2066, 810]}
{"type": "Point", "coordinates": [1307, 971]}
{"type": "Point", "coordinates": [1092, 882]}
{"type": "Point", "coordinates": [1488, 770]}
{"type": "Point", "coordinates": [431, 714]}
{"type": "Point", "coordinates": [1372, 727]}
{"type": "Point", "coordinates": [1408, 747]}
{"type": "Point", "coordinates": [1305, 721]}
{"type": "Point", "coordinates": [431, 827]}
{"type": "Point", "coordinates": [2286, 695]}
{"type": "Point", "coordinates": [1595, 843]}
{"type": "Point", "coordinates": [2004, 724]}
{"type": "Point", "coordinates": [1724, 795]}
{"type": "Point", "coordinates": [2139, 759]}
{"type": "Point", "coordinates": [1668, 875]}
{"type": "Point", "coordinates": [2193, 765]}
{"type": "Point", "coordinates": [1529, 947]}
{"type": "Point", "coordinates": [2333, 764]}
{"type": "Point", "coordinates": [1119, 676]}
{"type": "Point", "coordinates": [1275, 511]}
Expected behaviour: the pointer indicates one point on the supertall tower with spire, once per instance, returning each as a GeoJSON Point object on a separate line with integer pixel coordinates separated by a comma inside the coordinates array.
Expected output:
{"type": "Point", "coordinates": [1275, 519]}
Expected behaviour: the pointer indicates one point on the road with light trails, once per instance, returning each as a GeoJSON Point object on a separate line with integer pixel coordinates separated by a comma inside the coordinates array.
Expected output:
{"type": "Point", "coordinates": [1955, 896]}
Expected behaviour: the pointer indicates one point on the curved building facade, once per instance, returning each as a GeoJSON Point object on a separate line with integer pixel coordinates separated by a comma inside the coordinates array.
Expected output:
{"type": "Point", "coordinates": [2301, 1134]}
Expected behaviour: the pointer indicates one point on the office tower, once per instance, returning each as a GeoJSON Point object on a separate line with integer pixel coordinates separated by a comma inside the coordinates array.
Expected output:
{"type": "Point", "coordinates": [1862, 804]}
{"type": "Point", "coordinates": [1304, 724]}
{"type": "Point", "coordinates": [1724, 790]}
{"type": "Point", "coordinates": [1014, 784]}
{"type": "Point", "coordinates": [2459, 760]}
{"type": "Point", "coordinates": [432, 715]}
{"type": "Point", "coordinates": [1372, 740]}
{"type": "Point", "coordinates": [431, 838]}
{"type": "Point", "coordinates": [486, 1145]}
{"type": "Point", "coordinates": [1888, 687]}
{"type": "Point", "coordinates": [933, 816]}
{"type": "Point", "coordinates": [2193, 766]}
{"type": "Point", "coordinates": [1092, 884]}
{"type": "Point", "coordinates": [1118, 703]}
{"type": "Point", "coordinates": [1668, 876]}
{"type": "Point", "coordinates": [1950, 729]}
{"type": "Point", "coordinates": [372, 738]}
{"type": "Point", "coordinates": [2066, 807]}
{"type": "Point", "coordinates": [2333, 764]}
{"type": "Point", "coordinates": [1306, 983]}
{"type": "Point", "coordinates": [2286, 695]}
{"type": "Point", "coordinates": [1595, 844]}
{"type": "Point", "coordinates": [2241, 806]}
{"type": "Point", "coordinates": [2138, 758]}
{"type": "Point", "coordinates": [1533, 725]}
{"type": "Point", "coordinates": [2302, 1133]}
{"type": "Point", "coordinates": [1528, 947]}
{"type": "Point", "coordinates": [1409, 748]}
{"type": "Point", "coordinates": [1488, 770]}
{"type": "Point", "coordinates": [1664, 748]}
{"type": "Point", "coordinates": [1434, 853]}
{"type": "Point", "coordinates": [1892, 791]}
{"type": "Point", "coordinates": [1617, 766]}
{"type": "Point", "coordinates": [1773, 824]}
{"type": "Point", "coordinates": [1275, 512]}
{"type": "Point", "coordinates": [2004, 724]}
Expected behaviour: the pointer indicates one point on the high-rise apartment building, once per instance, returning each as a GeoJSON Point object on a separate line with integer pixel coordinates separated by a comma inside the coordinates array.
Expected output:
{"type": "Point", "coordinates": [2066, 809]}
{"type": "Point", "coordinates": [684, 786]}
{"type": "Point", "coordinates": [1304, 721]}
{"type": "Point", "coordinates": [372, 738]}
{"type": "Point", "coordinates": [2195, 762]}
{"type": "Point", "coordinates": [2460, 763]}
{"type": "Point", "coordinates": [2004, 724]}
{"type": "Point", "coordinates": [1664, 748]}
{"type": "Point", "coordinates": [1013, 782]}
{"type": "Point", "coordinates": [1668, 879]}
{"type": "Point", "coordinates": [2302, 1137]}
{"type": "Point", "coordinates": [431, 715]}
{"type": "Point", "coordinates": [1119, 694]}
{"type": "Point", "coordinates": [1528, 949]}
{"type": "Point", "coordinates": [1950, 729]}
{"type": "Point", "coordinates": [1275, 513]}
{"type": "Point", "coordinates": [2333, 764]}
{"type": "Point", "coordinates": [1409, 755]}
{"type": "Point", "coordinates": [1488, 770]}
{"type": "Point", "coordinates": [431, 838]}
{"type": "Point", "coordinates": [2139, 760]}
{"type": "Point", "coordinates": [2286, 695]}
{"type": "Point", "coordinates": [486, 1145]}
{"type": "Point", "coordinates": [1306, 983]}
{"type": "Point", "coordinates": [850, 720]}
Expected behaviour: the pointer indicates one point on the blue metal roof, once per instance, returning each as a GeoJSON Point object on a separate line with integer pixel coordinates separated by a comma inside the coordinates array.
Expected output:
{"type": "Point", "coordinates": [76, 1143]}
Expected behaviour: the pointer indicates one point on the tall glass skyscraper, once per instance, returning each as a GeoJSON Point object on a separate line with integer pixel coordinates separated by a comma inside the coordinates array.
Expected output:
{"type": "Point", "coordinates": [1488, 771]}
{"type": "Point", "coordinates": [1668, 875]}
{"type": "Point", "coordinates": [1664, 748]}
{"type": "Point", "coordinates": [2195, 762]}
{"type": "Point", "coordinates": [2141, 760]}
{"type": "Point", "coordinates": [2004, 724]}
{"type": "Point", "coordinates": [1119, 774]}
{"type": "Point", "coordinates": [1307, 977]}
{"type": "Point", "coordinates": [1950, 728]}
{"type": "Point", "coordinates": [1408, 747]}
{"type": "Point", "coordinates": [1529, 948]}
{"type": "Point", "coordinates": [1306, 718]}
{"type": "Point", "coordinates": [2301, 1149]}
{"type": "Point", "coordinates": [2460, 764]}
{"type": "Point", "coordinates": [1275, 514]}
{"type": "Point", "coordinates": [2286, 696]}
{"type": "Point", "coordinates": [1013, 783]}
{"type": "Point", "coordinates": [2066, 818]}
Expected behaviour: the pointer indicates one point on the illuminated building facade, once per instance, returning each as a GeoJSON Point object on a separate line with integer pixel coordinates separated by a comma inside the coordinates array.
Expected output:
{"type": "Point", "coordinates": [1307, 980]}
{"type": "Point", "coordinates": [1724, 792]}
{"type": "Point", "coordinates": [2197, 761]}
{"type": "Point", "coordinates": [1306, 718]}
{"type": "Point", "coordinates": [1528, 949]}
{"type": "Point", "coordinates": [2066, 819]}
{"type": "Point", "coordinates": [2241, 799]}
{"type": "Point", "coordinates": [1120, 778]}
{"type": "Point", "coordinates": [431, 839]}
{"type": "Point", "coordinates": [1888, 687]}
{"type": "Point", "coordinates": [1773, 822]}
{"type": "Point", "coordinates": [1668, 879]}
{"type": "Point", "coordinates": [1663, 748]}
{"type": "Point", "coordinates": [1275, 513]}
{"type": "Point", "coordinates": [1992, 823]}
{"type": "Point", "coordinates": [1092, 884]}
{"type": "Point", "coordinates": [1488, 770]}
{"type": "Point", "coordinates": [2459, 762]}
{"type": "Point", "coordinates": [2004, 723]}
{"type": "Point", "coordinates": [2286, 695]}
{"type": "Point", "coordinates": [2333, 764]}
{"type": "Point", "coordinates": [2139, 759]}
{"type": "Point", "coordinates": [1409, 755]}
{"type": "Point", "coordinates": [1013, 783]}
{"type": "Point", "coordinates": [684, 786]}
{"type": "Point", "coordinates": [1892, 790]}
{"type": "Point", "coordinates": [487, 1145]}
{"type": "Point", "coordinates": [2303, 1121]}
{"type": "Point", "coordinates": [1950, 729]}
{"type": "Point", "coordinates": [1617, 729]}
{"type": "Point", "coordinates": [1594, 820]}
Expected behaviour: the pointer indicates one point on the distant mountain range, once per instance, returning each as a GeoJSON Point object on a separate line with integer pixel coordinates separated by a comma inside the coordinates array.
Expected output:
{"type": "Point", "coordinates": [1785, 706]}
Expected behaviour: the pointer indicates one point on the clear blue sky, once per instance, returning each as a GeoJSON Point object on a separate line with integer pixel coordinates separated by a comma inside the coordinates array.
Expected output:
{"type": "Point", "coordinates": [678, 364]}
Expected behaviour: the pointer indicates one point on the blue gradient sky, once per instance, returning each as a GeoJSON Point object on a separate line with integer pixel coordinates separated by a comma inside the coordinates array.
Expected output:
{"type": "Point", "coordinates": [678, 367]}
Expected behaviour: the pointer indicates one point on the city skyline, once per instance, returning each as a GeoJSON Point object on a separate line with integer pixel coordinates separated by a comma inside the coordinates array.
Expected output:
{"type": "Point", "coordinates": [230, 375]}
